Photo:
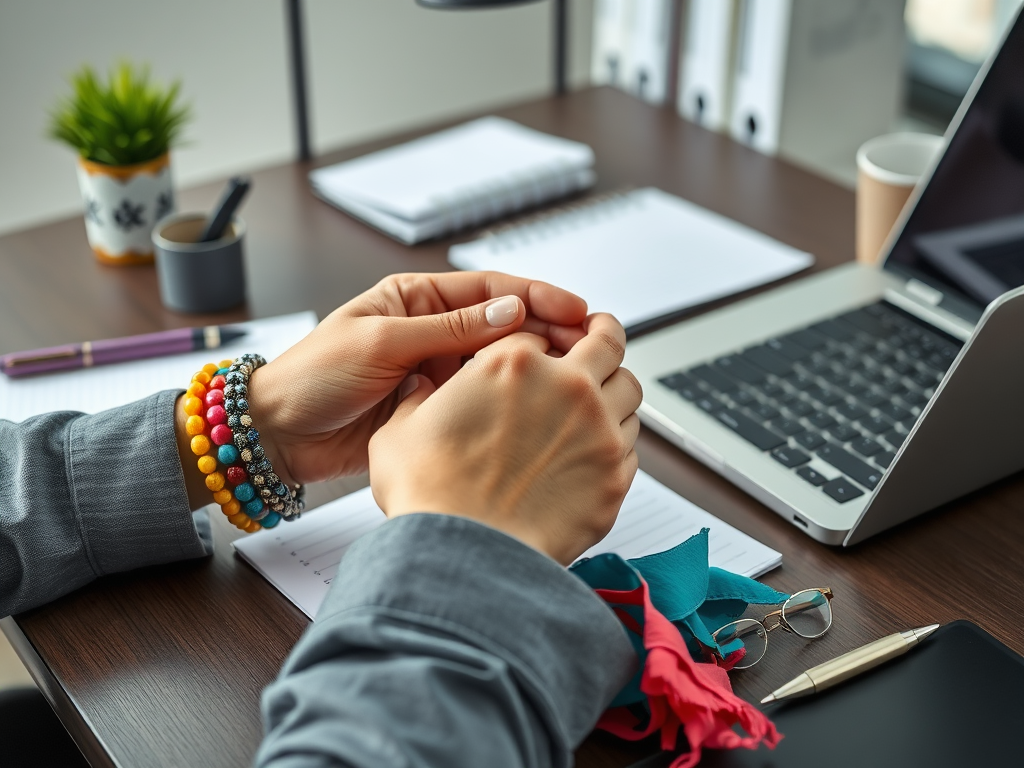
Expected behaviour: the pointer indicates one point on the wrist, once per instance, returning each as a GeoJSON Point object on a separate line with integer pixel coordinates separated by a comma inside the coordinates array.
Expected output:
{"type": "Point", "coordinates": [264, 405]}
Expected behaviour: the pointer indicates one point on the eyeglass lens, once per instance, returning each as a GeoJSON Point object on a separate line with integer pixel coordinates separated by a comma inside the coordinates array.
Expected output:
{"type": "Point", "coordinates": [746, 636]}
{"type": "Point", "coordinates": [808, 613]}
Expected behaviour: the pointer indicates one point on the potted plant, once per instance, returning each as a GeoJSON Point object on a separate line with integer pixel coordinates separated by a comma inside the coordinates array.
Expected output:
{"type": "Point", "coordinates": [123, 130]}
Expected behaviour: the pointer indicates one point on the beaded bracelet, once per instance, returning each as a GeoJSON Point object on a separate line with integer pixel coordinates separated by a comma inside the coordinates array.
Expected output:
{"type": "Point", "coordinates": [265, 486]}
{"type": "Point", "coordinates": [213, 441]}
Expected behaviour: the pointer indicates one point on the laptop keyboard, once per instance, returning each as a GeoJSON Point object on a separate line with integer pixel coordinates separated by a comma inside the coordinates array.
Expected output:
{"type": "Point", "coordinates": [845, 391]}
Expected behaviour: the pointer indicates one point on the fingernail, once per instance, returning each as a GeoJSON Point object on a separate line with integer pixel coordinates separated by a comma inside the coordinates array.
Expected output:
{"type": "Point", "coordinates": [502, 312]}
{"type": "Point", "coordinates": [409, 386]}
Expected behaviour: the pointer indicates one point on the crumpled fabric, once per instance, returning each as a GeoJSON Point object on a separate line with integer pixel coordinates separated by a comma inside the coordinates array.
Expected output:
{"type": "Point", "coordinates": [670, 603]}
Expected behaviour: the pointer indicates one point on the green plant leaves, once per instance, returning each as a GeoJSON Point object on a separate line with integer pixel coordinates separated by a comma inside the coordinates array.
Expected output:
{"type": "Point", "coordinates": [123, 121]}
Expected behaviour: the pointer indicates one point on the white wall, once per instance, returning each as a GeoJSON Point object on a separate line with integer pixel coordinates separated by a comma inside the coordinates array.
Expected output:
{"type": "Point", "coordinates": [376, 66]}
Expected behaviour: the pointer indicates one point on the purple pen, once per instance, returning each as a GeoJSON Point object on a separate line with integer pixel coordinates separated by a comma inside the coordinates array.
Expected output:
{"type": "Point", "coordinates": [90, 353]}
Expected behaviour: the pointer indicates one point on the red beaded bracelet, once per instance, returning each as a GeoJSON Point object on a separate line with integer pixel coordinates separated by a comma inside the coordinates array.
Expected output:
{"type": "Point", "coordinates": [211, 441]}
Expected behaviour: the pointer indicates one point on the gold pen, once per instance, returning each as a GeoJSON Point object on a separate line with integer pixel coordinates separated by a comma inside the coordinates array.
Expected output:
{"type": "Point", "coordinates": [817, 679]}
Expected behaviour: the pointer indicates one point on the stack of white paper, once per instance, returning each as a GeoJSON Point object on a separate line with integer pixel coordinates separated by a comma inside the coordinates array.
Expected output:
{"type": "Point", "coordinates": [457, 178]}
{"type": "Point", "coordinates": [301, 558]}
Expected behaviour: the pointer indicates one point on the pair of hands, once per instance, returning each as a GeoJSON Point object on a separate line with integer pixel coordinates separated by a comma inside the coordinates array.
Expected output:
{"type": "Point", "coordinates": [534, 436]}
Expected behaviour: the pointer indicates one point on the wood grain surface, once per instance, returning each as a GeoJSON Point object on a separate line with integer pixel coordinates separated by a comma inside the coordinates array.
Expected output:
{"type": "Point", "coordinates": [164, 666]}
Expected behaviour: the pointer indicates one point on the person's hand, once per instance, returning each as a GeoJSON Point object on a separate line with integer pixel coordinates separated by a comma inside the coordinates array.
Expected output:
{"type": "Point", "coordinates": [537, 446]}
{"type": "Point", "coordinates": [318, 404]}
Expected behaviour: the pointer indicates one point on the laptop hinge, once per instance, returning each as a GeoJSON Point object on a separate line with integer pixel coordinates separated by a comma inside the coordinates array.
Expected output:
{"type": "Point", "coordinates": [921, 301]}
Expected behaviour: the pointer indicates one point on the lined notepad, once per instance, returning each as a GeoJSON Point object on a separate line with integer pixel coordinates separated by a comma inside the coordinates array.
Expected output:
{"type": "Point", "coordinates": [640, 255]}
{"type": "Point", "coordinates": [302, 558]}
{"type": "Point", "coordinates": [457, 178]}
{"type": "Point", "coordinates": [91, 390]}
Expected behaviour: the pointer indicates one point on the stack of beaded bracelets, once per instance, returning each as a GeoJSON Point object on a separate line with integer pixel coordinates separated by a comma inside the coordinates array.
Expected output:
{"type": "Point", "coordinates": [222, 435]}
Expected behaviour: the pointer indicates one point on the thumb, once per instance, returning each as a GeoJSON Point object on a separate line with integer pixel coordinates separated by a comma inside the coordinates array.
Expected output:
{"type": "Point", "coordinates": [458, 333]}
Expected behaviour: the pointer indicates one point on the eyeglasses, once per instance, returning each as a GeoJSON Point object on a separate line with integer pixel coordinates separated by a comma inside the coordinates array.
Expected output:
{"type": "Point", "coordinates": [807, 613]}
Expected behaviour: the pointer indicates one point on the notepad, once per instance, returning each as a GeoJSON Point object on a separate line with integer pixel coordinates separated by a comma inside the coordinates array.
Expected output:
{"type": "Point", "coordinates": [642, 255]}
{"type": "Point", "coordinates": [301, 558]}
{"type": "Point", "coordinates": [107, 386]}
{"type": "Point", "coordinates": [457, 178]}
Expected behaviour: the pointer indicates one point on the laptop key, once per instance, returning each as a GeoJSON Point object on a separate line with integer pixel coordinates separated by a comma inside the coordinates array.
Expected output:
{"type": "Point", "coordinates": [865, 446]}
{"type": "Point", "coordinates": [894, 438]}
{"type": "Point", "coordinates": [923, 379]}
{"type": "Point", "coordinates": [812, 476]}
{"type": "Point", "coordinates": [763, 411]}
{"type": "Point", "coordinates": [787, 427]}
{"type": "Point", "coordinates": [825, 395]}
{"type": "Point", "coordinates": [821, 419]}
{"type": "Point", "coordinates": [750, 430]}
{"type": "Point", "coordinates": [810, 440]}
{"type": "Point", "coordinates": [797, 407]}
{"type": "Point", "coordinates": [772, 390]}
{"type": "Point", "coordinates": [902, 367]}
{"type": "Point", "coordinates": [835, 329]}
{"type": "Point", "coordinates": [842, 489]}
{"type": "Point", "coordinates": [716, 379]}
{"type": "Point", "coordinates": [742, 397]}
{"type": "Point", "coordinates": [708, 404]}
{"type": "Point", "coordinates": [787, 348]}
{"type": "Point", "coordinates": [844, 433]}
{"type": "Point", "coordinates": [740, 370]}
{"type": "Point", "coordinates": [850, 411]}
{"type": "Point", "coordinates": [769, 360]}
{"type": "Point", "coordinates": [873, 399]}
{"type": "Point", "coordinates": [806, 338]}
{"type": "Point", "coordinates": [884, 459]}
{"type": "Point", "coordinates": [849, 464]}
{"type": "Point", "coordinates": [894, 412]}
{"type": "Point", "coordinates": [683, 385]}
{"type": "Point", "coordinates": [876, 425]}
{"type": "Point", "coordinates": [790, 457]}
{"type": "Point", "coordinates": [800, 381]}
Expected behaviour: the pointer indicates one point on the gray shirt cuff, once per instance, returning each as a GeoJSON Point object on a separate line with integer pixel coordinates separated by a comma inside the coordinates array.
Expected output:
{"type": "Point", "coordinates": [446, 642]}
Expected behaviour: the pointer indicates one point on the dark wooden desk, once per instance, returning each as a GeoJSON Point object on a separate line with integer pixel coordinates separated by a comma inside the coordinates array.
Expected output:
{"type": "Point", "coordinates": [164, 666]}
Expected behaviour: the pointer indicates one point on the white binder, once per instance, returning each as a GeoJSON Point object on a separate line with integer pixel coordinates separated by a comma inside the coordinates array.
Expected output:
{"type": "Point", "coordinates": [613, 25]}
{"type": "Point", "coordinates": [816, 78]}
{"type": "Point", "coordinates": [760, 73]}
{"type": "Point", "coordinates": [646, 65]}
{"type": "Point", "coordinates": [706, 64]}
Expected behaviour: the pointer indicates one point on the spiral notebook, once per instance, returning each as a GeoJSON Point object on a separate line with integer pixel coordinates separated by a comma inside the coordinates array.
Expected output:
{"type": "Point", "coordinates": [642, 255]}
{"type": "Point", "coordinates": [302, 557]}
{"type": "Point", "coordinates": [457, 178]}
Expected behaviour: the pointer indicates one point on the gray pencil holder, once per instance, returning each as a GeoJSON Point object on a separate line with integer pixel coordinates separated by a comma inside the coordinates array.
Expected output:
{"type": "Point", "coordinates": [199, 277]}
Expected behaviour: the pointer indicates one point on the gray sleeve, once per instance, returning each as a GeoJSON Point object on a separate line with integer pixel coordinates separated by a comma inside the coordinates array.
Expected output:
{"type": "Point", "coordinates": [446, 643]}
{"type": "Point", "coordinates": [85, 495]}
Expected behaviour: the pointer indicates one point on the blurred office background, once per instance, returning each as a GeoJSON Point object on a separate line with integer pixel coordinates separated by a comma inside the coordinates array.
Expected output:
{"type": "Point", "coordinates": [380, 66]}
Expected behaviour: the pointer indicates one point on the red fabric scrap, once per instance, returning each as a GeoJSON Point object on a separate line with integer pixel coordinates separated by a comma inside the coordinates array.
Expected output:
{"type": "Point", "coordinates": [682, 693]}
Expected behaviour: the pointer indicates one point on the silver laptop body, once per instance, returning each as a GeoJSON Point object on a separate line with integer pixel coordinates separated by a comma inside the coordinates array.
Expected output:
{"type": "Point", "coordinates": [962, 431]}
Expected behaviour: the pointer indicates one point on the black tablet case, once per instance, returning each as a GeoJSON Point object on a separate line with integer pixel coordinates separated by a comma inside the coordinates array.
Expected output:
{"type": "Point", "coordinates": [956, 700]}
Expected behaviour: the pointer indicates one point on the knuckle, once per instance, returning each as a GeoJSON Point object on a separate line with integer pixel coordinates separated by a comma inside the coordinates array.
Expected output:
{"type": "Point", "coordinates": [635, 383]}
{"type": "Point", "coordinates": [614, 347]}
{"type": "Point", "coordinates": [455, 324]}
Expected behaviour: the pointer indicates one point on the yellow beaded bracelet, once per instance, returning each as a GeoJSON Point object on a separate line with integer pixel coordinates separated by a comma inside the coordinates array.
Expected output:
{"type": "Point", "coordinates": [203, 405]}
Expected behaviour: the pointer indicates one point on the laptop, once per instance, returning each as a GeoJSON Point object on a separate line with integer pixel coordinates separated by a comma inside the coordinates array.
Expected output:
{"type": "Point", "coordinates": [855, 399]}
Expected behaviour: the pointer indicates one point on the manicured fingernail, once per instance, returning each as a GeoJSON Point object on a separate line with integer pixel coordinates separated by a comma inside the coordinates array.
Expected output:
{"type": "Point", "coordinates": [409, 386]}
{"type": "Point", "coordinates": [502, 312]}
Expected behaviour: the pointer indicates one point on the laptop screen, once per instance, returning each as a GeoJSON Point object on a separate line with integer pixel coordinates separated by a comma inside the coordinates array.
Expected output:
{"type": "Point", "coordinates": [965, 236]}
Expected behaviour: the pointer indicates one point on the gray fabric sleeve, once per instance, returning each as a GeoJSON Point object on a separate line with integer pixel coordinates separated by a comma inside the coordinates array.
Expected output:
{"type": "Point", "coordinates": [446, 643]}
{"type": "Point", "coordinates": [85, 495]}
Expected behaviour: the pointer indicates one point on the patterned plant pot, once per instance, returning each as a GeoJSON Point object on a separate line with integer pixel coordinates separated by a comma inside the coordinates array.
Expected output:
{"type": "Point", "coordinates": [122, 203]}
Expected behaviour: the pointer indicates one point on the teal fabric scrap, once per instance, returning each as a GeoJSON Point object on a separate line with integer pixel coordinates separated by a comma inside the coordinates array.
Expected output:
{"type": "Point", "coordinates": [696, 598]}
